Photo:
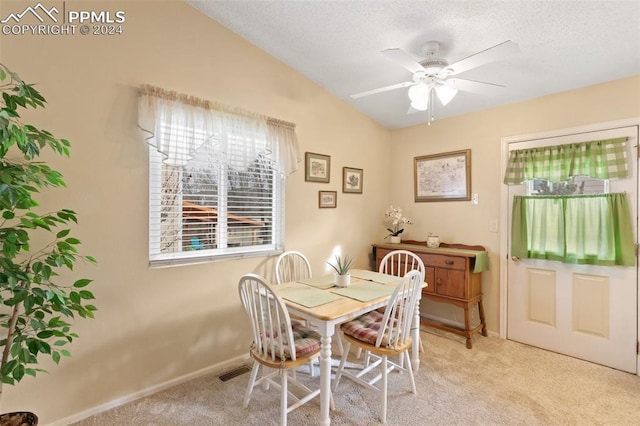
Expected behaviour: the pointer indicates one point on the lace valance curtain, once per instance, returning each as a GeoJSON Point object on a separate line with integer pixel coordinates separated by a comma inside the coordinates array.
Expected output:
{"type": "Point", "coordinates": [179, 124]}
{"type": "Point", "coordinates": [590, 229]}
{"type": "Point", "coordinates": [602, 159]}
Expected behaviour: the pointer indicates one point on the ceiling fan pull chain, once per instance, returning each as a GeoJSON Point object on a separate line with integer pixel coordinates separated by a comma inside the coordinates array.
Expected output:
{"type": "Point", "coordinates": [433, 106]}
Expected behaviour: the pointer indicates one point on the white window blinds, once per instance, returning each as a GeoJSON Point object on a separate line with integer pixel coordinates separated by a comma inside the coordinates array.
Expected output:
{"type": "Point", "coordinates": [216, 184]}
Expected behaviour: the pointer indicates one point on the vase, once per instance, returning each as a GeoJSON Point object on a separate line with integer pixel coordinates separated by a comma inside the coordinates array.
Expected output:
{"type": "Point", "coordinates": [395, 239]}
{"type": "Point", "coordinates": [433, 241]}
{"type": "Point", "coordinates": [343, 280]}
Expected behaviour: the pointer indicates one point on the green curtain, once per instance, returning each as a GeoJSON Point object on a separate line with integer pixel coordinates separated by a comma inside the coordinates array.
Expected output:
{"type": "Point", "coordinates": [586, 229]}
{"type": "Point", "coordinates": [602, 159]}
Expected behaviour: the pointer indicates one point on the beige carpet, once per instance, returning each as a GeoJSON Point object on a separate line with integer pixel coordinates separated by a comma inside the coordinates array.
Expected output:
{"type": "Point", "coordinates": [498, 382]}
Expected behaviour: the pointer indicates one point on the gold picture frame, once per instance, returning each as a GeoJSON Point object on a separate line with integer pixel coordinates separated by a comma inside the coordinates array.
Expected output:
{"type": "Point", "coordinates": [317, 167]}
{"type": "Point", "coordinates": [443, 177]}
{"type": "Point", "coordinates": [352, 180]}
{"type": "Point", "coordinates": [327, 199]}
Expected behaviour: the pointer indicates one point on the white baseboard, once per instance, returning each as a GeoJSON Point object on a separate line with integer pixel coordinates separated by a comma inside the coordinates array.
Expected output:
{"type": "Point", "coordinates": [217, 368]}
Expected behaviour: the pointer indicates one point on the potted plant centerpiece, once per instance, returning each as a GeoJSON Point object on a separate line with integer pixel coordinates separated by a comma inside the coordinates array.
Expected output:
{"type": "Point", "coordinates": [395, 216]}
{"type": "Point", "coordinates": [342, 266]}
{"type": "Point", "coordinates": [37, 251]}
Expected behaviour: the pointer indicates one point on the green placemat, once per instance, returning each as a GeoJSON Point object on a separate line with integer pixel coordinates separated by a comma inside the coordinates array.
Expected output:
{"type": "Point", "coordinates": [307, 296]}
{"type": "Point", "coordinates": [325, 281]}
{"type": "Point", "coordinates": [364, 292]}
{"type": "Point", "coordinates": [376, 277]}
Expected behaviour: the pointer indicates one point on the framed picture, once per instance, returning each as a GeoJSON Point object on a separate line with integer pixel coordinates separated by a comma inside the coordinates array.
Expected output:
{"type": "Point", "coordinates": [327, 199]}
{"type": "Point", "coordinates": [317, 167]}
{"type": "Point", "coordinates": [351, 180]}
{"type": "Point", "coordinates": [443, 177]}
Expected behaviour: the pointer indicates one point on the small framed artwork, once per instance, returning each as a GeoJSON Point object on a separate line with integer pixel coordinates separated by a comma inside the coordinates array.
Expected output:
{"type": "Point", "coordinates": [351, 180]}
{"type": "Point", "coordinates": [317, 167]}
{"type": "Point", "coordinates": [327, 199]}
{"type": "Point", "coordinates": [443, 177]}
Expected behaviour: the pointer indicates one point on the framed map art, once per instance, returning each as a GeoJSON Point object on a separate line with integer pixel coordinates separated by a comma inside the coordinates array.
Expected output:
{"type": "Point", "coordinates": [443, 177]}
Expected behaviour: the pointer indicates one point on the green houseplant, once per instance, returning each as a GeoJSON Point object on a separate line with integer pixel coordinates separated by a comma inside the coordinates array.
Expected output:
{"type": "Point", "coordinates": [342, 267]}
{"type": "Point", "coordinates": [37, 252]}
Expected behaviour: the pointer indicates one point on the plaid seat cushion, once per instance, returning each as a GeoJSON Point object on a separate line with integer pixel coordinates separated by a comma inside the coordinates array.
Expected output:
{"type": "Point", "coordinates": [365, 327]}
{"type": "Point", "coordinates": [305, 340]}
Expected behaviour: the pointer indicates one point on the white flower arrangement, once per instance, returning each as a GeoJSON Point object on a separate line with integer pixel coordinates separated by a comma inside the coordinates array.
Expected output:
{"type": "Point", "coordinates": [397, 220]}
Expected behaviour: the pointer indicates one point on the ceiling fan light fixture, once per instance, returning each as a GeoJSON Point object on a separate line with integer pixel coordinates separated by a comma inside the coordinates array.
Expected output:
{"type": "Point", "coordinates": [419, 95]}
{"type": "Point", "coordinates": [430, 77]}
{"type": "Point", "coordinates": [417, 91]}
{"type": "Point", "coordinates": [445, 93]}
{"type": "Point", "coordinates": [420, 105]}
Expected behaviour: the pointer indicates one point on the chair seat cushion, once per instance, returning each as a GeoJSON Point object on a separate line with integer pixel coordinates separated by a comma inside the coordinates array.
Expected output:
{"type": "Point", "coordinates": [365, 327]}
{"type": "Point", "coordinates": [18, 418]}
{"type": "Point", "coordinates": [305, 340]}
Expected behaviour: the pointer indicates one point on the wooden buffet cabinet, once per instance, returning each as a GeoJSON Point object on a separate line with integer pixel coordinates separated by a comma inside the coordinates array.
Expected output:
{"type": "Point", "coordinates": [452, 277]}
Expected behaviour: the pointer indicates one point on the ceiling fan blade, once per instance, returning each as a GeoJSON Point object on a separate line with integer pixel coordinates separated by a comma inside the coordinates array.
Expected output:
{"type": "Point", "coordinates": [491, 54]}
{"type": "Point", "coordinates": [473, 86]}
{"type": "Point", "coordinates": [382, 89]}
{"type": "Point", "coordinates": [402, 58]}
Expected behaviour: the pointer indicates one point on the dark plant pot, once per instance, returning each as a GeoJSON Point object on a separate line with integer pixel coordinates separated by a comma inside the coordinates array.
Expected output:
{"type": "Point", "coordinates": [18, 418]}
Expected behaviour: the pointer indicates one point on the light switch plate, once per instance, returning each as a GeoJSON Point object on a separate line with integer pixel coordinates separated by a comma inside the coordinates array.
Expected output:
{"type": "Point", "coordinates": [474, 199]}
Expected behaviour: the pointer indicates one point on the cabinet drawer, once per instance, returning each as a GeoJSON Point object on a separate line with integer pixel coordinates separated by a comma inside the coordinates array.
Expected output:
{"type": "Point", "coordinates": [441, 261]}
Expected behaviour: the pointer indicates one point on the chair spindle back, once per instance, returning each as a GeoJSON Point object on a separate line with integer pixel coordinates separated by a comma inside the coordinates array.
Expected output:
{"type": "Point", "coordinates": [270, 321]}
{"type": "Point", "coordinates": [291, 266]}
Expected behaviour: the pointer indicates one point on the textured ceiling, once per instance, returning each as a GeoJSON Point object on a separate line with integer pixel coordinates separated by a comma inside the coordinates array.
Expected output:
{"type": "Point", "coordinates": [564, 45]}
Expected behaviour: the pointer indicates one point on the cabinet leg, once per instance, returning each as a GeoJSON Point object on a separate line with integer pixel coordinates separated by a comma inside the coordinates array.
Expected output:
{"type": "Point", "coordinates": [467, 326]}
{"type": "Point", "coordinates": [484, 324]}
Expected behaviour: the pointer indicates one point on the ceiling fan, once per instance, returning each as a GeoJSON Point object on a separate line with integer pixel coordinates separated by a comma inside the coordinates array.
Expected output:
{"type": "Point", "coordinates": [434, 74]}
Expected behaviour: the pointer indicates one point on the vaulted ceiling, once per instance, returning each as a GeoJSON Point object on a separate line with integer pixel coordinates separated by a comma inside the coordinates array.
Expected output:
{"type": "Point", "coordinates": [563, 45]}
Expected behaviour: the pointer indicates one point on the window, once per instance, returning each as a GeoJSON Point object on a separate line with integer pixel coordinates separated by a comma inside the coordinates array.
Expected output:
{"type": "Point", "coordinates": [209, 208]}
{"type": "Point", "coordinates": [568, 214]}
{"type": "Point", "coordinates": [216, 182]}
{"type": "Point", "coordinates": [575, 185]}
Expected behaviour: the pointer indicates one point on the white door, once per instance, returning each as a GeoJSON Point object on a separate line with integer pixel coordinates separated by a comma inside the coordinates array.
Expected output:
{"type": "Point", "coordinates": [585, 311]}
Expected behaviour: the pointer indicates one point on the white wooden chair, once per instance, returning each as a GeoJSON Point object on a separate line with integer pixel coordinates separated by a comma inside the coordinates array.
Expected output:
{"type": "Point", "coordinates": [398, 263]}
{"type": "Point", "coordinates": [383, 335]}
{"type": "Point", "coordinates": [291, 266]}
{"type": "Point", "coordinates": [278, 343]}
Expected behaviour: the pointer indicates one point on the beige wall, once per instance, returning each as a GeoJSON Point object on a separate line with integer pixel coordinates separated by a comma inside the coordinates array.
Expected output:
{"type": "Point", "coordinates": [157, 325]}
{"type": "Point", "coordinates": [462, 222]}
